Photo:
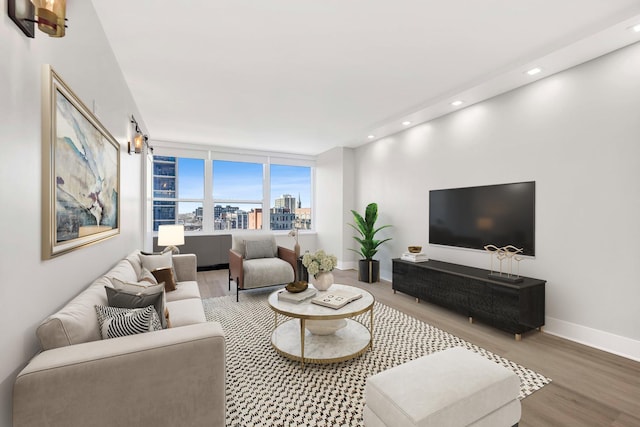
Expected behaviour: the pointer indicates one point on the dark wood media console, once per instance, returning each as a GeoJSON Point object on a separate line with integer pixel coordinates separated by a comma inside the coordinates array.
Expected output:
{"type": "Point", "coordinates": [512, 307]}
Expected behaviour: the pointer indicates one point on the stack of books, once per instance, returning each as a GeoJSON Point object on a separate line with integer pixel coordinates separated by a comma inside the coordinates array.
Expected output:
{"type": "Point", "coordinates": [296, 297]}
{"type": "Point", "coordinates": [419, 257]}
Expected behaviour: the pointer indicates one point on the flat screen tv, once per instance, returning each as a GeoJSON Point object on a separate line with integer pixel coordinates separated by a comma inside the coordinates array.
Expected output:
{"type": "Point", "coordinates": [473, 217]}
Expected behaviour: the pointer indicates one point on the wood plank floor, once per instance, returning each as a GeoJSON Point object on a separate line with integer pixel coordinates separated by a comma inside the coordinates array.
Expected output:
{"type": "Point", "coordinates": [589, 388]}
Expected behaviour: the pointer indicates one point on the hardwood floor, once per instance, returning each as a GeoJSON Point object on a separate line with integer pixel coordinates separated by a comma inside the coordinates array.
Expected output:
{"type": "Point", "coordinates": [589, 388]}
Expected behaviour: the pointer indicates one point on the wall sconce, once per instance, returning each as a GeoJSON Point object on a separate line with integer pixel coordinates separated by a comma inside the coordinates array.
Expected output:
{"type": "Point", "coordinates": [139, 139]}
{"type": "Point", "coordinates": [50, 15]}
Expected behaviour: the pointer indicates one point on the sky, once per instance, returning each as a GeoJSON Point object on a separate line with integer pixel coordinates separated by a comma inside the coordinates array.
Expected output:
{"type": "Point", "coordinates": [241, 181]}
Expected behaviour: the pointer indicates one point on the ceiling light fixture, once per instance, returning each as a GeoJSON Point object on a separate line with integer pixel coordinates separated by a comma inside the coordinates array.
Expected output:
{"type": "Point", "coordinates": [534, 71]}
{"type": "Point", "coordinates": [457, 103]}
{"type": "Point", "coordinates": [406, 123]}
{"type": "Point", "coordinates": [371, 136]}
{"type": "Point", "coordinates": [636, 28]}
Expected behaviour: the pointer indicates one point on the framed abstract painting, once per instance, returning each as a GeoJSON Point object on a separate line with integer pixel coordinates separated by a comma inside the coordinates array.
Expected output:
{"type": "Point", "coordinates": [80, 172]}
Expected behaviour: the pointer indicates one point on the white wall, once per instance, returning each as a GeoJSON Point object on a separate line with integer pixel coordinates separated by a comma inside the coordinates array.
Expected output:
{"type": "Point", "coordinates": [334, 194]}
{"type": "Point", "coordinates": [30, 288]}
{"type": "Point", "coordinates": [576, 134]}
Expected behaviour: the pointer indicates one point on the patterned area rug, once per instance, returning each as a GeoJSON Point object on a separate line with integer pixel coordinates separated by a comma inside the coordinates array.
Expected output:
{"type": "Point", "coordinates": [266, 389]}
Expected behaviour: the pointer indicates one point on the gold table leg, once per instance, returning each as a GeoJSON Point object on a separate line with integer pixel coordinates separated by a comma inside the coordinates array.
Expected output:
{"type": "Point", "coordinates": [302, 342]}
{"type": "Point", "coordinates": [371, 331]}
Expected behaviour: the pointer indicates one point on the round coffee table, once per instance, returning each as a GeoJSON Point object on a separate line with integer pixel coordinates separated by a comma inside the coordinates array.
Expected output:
{"type": "Point", "coordinates": [292, 339]}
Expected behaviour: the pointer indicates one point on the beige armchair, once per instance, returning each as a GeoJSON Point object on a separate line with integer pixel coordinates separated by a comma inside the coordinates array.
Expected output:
{"type": "Point", "coordinates": [257, 261]}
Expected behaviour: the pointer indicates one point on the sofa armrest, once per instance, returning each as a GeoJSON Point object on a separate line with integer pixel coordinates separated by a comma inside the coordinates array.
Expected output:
{"type": "Point", "coordinates": [236, 271]}
{"type": "Point", "coordinates": [186, 267]}
{"type": "Point", "coordinates": [165, 378]}
{"type": "Point", "coordinates": [289, 256]}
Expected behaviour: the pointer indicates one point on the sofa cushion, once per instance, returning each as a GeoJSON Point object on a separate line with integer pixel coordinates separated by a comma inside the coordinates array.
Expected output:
{"type": "Point", "coordinates": [124, 271]}
{"type": "Point", "coordinates": [120, 322]}
{"type": "Point", "coordinates": [134, 260]}
{"type": "Point", "coordinates": [265, 272]}
{"type": "Point", "coordinates": [76, 322]}
{"type": "Point", "coordinates": [148, 277]}
{"type": "Point", "coordinates": [135, 298]}
{"type": "Point", "coordinates": [186, 312]}
{"type": "Point", "coordinates": [184, 290]}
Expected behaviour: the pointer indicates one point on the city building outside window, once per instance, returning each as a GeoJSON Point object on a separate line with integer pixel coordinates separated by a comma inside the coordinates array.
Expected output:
{"type": "Point", "coordinates": [178, 192]}
{"type": "Point", "coordinates": [291, 197]}
{"type": "Point", "coordinates": [238, 196]}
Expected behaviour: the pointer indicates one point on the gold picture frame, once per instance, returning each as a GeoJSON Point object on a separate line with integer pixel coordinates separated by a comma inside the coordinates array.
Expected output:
{"type": "Point", "coordinates": [80, 172]}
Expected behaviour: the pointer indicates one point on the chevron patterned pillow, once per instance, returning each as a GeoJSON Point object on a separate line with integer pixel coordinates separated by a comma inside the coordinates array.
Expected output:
{"type": "Point", "coordinates": [119, 322]}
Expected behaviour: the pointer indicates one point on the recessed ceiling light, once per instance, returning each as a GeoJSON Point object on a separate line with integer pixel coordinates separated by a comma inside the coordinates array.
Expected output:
{"type": "Point", "coordinates": [534, 71]}
{"type": "Point", "coordinates": [371, 136]}
{"type": "Point", "coordinates": [406, 123]}
{"type": "Point", "coordinates": [457, 103]}
{"type": "Point", "coordinates": [636, 28]}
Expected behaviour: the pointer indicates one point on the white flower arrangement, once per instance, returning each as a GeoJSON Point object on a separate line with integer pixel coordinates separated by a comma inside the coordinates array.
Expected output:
{"type": "Point", "coordinates": [319, 262]}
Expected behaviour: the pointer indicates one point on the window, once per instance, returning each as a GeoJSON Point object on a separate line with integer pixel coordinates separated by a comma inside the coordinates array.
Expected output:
{"type": "Point", "coordinates": [290, 197]}
{"type": "Point", "coordinates": [237, 195]}
{"type": "Point", "coordinates": [210, 191]}
{"type": "Point", "coordinates": [178, 192]}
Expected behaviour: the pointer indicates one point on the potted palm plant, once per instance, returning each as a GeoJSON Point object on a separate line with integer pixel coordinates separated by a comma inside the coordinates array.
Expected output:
{"type": "Point", "coordinates": [368, 268]}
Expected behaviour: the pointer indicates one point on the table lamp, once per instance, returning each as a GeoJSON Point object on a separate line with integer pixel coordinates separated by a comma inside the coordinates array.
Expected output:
{"type": "Point", "coordinates": [170, 236]}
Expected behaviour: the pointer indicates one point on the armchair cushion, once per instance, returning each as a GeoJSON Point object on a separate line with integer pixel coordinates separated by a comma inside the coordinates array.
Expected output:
{"type": "Point", "coordinates": [258, 249]}
{"type": "Point", "coordinates": [266, 272]}
{"type": "Point", "coordinates": [239, 243]}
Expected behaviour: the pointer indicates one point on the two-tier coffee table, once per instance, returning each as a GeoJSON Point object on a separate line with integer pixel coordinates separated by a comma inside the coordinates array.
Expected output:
{"type": "Point", "coordinates": [291, 338]}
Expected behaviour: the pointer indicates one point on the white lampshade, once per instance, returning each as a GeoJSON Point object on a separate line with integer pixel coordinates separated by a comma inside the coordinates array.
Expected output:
{"type": "Point", "coordinates": [170, 235]}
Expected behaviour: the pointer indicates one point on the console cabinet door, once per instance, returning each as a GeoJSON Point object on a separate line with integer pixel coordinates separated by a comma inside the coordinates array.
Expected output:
{"type": "Point", "coordinates": [405, 278]}
{"type": "Point", "coordinates": [506, 309]}
{"type": "Point", "coordinates": [447, 290]}
{"type": "Point", "coordinates": [480, 300]}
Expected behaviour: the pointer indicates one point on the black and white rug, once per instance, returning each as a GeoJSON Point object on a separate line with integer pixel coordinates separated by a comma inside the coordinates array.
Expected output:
{"type": "Point", "coordinates": [266, 389]}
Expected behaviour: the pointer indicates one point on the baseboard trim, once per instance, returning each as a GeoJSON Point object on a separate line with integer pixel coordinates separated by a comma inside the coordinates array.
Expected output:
{"type": "Point", "coordinates": [606, 341]}
{"type": "Point", "coordinates": [347, 265]}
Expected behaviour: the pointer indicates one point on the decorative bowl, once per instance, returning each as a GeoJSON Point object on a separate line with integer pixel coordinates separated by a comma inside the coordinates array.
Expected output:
{"type": "Point", "coordinates": [295, 287]}
{"type": "Point", "coordinates": [415, 249]}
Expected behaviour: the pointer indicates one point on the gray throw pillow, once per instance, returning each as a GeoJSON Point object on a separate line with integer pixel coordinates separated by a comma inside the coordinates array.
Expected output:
{"type": "Point", "coordinates": [127, 299]}
{"type": "Point", "coordinates": [258, 249]}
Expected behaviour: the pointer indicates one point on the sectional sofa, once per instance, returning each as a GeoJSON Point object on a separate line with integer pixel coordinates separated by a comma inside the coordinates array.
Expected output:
{"type": "Point", "coordinates": [168, 377]}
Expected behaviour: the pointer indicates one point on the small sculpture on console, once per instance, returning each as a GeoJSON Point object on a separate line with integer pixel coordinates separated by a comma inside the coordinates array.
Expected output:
{"type": "Point", "coordinates": [508, 252]}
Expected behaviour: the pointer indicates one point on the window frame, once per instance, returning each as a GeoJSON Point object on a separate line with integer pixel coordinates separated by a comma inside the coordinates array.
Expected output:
{"type": "Point", "coordinates": [208, 202]}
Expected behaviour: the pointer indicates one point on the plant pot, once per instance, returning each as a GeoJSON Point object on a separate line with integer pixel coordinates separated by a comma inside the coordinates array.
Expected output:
{"type": "Point", "coordinates": [369, 270]}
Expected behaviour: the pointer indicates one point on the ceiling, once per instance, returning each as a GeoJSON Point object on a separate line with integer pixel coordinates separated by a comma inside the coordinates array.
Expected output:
{"type": "Point", "coordinates": [304, 76]}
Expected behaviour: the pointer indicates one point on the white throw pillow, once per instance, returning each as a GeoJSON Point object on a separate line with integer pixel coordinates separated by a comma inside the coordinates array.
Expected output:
{"type": "Point", "coordinates": [156, 262]}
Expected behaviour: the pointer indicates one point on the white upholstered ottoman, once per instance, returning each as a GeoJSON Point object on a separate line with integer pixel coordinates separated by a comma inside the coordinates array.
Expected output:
{"type": "Point", "coordinates": [455, 387]}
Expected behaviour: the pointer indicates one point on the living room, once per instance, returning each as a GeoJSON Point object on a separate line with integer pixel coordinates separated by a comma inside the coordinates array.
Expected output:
{"type": "Point", "coordinates": [574, 133]}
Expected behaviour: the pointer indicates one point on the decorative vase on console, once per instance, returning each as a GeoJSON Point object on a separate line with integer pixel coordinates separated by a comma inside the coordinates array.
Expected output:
{"type": "Point", "coordinates": [319, 265]}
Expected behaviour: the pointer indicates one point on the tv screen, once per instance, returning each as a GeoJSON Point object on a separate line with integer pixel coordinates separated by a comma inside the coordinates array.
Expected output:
{"type": "Point", "coordinates": [473, 217]}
